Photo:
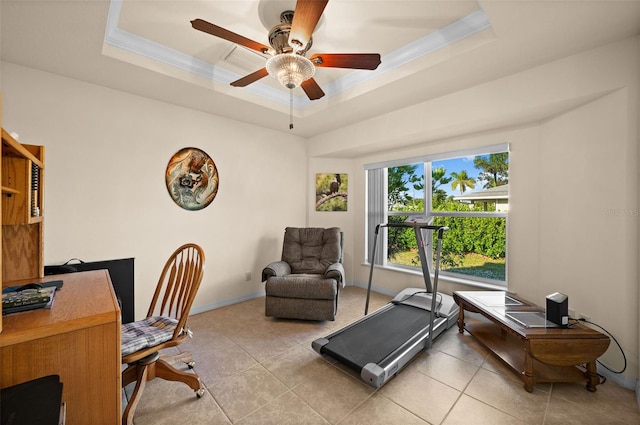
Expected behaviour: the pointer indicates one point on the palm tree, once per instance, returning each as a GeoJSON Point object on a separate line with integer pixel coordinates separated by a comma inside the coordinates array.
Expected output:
{"type": "Point", "coordinates": [462, 180]}
{"type": "Point", "coordinates": [495, 169]}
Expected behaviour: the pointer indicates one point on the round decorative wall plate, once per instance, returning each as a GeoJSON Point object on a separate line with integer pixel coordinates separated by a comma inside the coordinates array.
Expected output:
{"type": "Point", "coordinates": [192, 179]}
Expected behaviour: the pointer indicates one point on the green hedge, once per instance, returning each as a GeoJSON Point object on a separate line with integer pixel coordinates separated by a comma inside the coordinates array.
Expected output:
{"type": "Point", "coordinates": [484, 236]}
{"type": "Point", "coordinates": [481, 235]}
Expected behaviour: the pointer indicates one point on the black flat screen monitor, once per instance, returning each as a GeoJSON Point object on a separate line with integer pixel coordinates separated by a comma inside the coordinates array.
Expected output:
{"type": "Point", "coordinates": [122, 278]}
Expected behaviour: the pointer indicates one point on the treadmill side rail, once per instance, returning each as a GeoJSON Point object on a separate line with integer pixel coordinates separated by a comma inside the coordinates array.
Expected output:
{"type": "Point", "coordinates": [373, 375]}
{"type": "Point", "coordinates": [318, 344]}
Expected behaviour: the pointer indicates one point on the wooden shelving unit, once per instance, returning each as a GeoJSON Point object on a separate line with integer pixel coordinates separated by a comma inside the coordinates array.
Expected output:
{"type": "Point", "coordinates": [22, 209]}
{"type": "Point", "coordinates": [79, 338]}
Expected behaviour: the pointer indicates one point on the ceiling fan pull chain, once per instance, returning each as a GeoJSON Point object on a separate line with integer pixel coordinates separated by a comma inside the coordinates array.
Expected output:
{"type": "Point", "coordinates": [290, 109]}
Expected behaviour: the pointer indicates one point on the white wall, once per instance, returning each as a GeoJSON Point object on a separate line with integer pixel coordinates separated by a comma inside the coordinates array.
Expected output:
{"type": "Point", "coordinates": [588, 195]}
{"type": "Point", "coordinates": [107, 152]}
{"type": "Point", "coordinates": [105, 194]}
{"type": "Point", "coordinates": [573, 226]}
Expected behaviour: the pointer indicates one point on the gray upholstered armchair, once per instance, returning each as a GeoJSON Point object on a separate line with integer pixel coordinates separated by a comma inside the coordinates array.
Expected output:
{"type": "Point", "coordinates": [305, 283]}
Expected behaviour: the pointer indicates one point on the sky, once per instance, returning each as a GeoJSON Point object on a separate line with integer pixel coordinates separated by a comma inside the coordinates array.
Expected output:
{"type": "Point", "coordinates": [457, 165]}
{"type": "Point", "coordinates": [454, 165]}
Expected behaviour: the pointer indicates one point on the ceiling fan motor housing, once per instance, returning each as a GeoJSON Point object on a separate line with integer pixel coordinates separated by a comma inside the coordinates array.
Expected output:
{"type": "Point", "coordinates": [279, 36]}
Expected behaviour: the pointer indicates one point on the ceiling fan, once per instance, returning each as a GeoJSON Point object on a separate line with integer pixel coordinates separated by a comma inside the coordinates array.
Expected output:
{"type": "Point", "coordinates": [290, 41]}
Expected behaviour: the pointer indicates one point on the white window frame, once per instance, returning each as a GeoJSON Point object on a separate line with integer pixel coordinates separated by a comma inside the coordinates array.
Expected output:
{"type": "Point", "coordinates": [376, 194]}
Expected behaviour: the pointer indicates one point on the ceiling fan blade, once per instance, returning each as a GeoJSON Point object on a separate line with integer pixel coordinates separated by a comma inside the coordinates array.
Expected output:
{"type": "Point", "coordinates": [368, 61]}
{"type": "Point", "coordinates": [312, 89]}
{"type": "Point", "coordinates": [305, 19]}
{"type": "Point", "coordinates": [217, 31]}
{"type": "Point", "coordinates": [251, 78]}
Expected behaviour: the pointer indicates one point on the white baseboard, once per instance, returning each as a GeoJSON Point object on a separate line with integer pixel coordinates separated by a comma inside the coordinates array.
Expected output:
{"type": "Point", "coordinates": [624, 381]}
{"type": "Point", "coordinates": [261, 293]}
{"type": "Point", "coordinates": [374, 288]}
{"type": "Point", "coordinates": [224, 303]}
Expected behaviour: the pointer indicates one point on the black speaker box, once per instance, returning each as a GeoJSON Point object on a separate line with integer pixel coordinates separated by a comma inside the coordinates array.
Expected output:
{"type": "Point", "coordinates": [558, 309]}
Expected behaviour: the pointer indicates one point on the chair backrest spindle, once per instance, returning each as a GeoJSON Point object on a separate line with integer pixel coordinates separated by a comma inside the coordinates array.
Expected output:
{"type": "Point", "coordinates": [178, 284]}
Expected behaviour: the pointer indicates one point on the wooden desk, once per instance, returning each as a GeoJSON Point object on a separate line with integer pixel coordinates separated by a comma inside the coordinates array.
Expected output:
{"type": "Point", "coordinates": [536, 354]}
{"type": "Point", "coordinates": [77, 339]}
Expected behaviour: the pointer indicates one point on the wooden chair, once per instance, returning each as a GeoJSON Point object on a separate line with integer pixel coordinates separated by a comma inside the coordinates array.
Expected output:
{"type": "Point", "coordinates": [165, 326]}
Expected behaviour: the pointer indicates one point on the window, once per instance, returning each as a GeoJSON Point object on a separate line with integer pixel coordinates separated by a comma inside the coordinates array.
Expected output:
{"type": "Point", "coordinates": [468, 193]}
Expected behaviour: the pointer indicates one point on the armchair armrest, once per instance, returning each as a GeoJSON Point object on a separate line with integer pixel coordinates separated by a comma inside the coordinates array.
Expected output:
{"type": "Point", "coordinates": [335, 271]}
{"type": "Point", "coordinates": [277, 268]}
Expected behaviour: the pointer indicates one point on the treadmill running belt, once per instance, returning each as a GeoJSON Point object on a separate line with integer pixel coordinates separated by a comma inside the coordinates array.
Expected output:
{"type": "Point", "coordinates": [374, 339]}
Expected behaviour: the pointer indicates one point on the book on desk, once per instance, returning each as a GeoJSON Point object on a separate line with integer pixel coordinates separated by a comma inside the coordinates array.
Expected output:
{"type": "Point", "coordinates": [29, 297]}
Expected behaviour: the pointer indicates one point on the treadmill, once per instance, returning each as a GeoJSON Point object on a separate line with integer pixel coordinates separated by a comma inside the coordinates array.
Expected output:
{"type": "Point", "coordinates": [382, 343]}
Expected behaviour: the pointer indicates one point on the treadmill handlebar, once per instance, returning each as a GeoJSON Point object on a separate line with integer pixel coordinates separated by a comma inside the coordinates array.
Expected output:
{"type": "Point", "coordinates": [425, 268]}
{"type": "Point", "coordinates": [440, 229]}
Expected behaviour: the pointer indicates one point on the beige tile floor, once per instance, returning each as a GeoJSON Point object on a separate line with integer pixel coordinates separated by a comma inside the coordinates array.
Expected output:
{"type": "Point", "coordinates": [260, 370]}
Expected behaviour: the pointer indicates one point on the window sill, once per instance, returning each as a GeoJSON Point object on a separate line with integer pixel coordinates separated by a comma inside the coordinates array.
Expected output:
{"type": "Point", "coordinates": [444, 277]}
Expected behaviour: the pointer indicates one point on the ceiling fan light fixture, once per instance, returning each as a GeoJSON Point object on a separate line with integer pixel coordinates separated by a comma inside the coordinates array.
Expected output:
{"type": "Point", "coordinates": [290, 69]}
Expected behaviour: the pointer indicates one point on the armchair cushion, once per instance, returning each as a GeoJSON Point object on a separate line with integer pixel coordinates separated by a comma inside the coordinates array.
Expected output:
{"type": "Point", "coordinates": [311, 250]}
{"type": "Point", "coordinates": [301, 286]}
{"type": "Point", "coordinates": [146, 333]}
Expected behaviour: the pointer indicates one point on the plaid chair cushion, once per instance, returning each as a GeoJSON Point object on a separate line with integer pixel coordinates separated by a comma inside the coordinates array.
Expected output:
{"type": "Point", "coordinates": [146, 333]}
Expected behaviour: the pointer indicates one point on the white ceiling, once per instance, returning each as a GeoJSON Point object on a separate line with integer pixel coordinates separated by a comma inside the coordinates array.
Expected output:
{"type": "Point", "coordinates": [429, 48]}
